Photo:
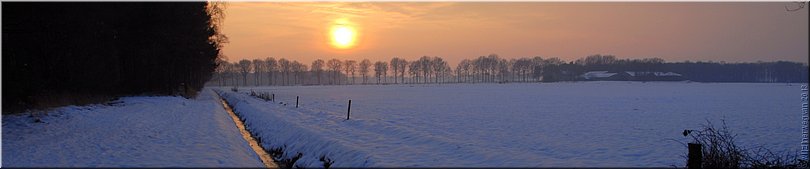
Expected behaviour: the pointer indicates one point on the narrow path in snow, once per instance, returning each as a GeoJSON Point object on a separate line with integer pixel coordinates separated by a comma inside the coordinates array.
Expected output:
{"type": "Point", "coordinates": [266, 159]}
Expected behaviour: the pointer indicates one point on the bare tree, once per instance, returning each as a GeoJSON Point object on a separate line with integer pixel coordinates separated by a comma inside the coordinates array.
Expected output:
{"type": "Point", "coordinates": [270, 66]}
{"type": "Point", "coordinates": [537, 67]}
{"type": "Point", "coordinates": [414, 70]}
{"type": "Point", "coordinates": [379, 70]}
{"type": "Point", "coordinates": [395, 67]}
{"type": "Point", "coordinates": [438, 66]}
{"type": "Point", "coordinates": [465, 66]}
{"type": "Point", "coordinates": [384, 70]}
{"type": "Point", "coordinates": [298, 70]}
{"type": "Point", "coordinates": [597, 60]}
{"type": "Point", "coordinates": [350, 66]}
{"type": "Point", "coordinates": [364, 68]}
{"type": "Point", "coordinates": [543, 65]}
{"type": "Point", "coordinates": [503, 70]}
{"type": "Point", "coordinates": [447, 72]}
{"type": "Point", "coordinates": [334, 65]}
{"type": "Point", "coordinates": [486, 67]}
{"type": "Point", "coordinates": [221, 70]}
{"type": "Point", "coordinates": [244, 68]}
{"type": "Point", "coordinates": [522, 67]}
{"type": "Point", "coordinates": [459, 72]}
{"type": "Point", "coordinates": [285, 66]}
{"type": "Point", "coordinates": [258, 68]}
{"type": "Point", "coordinates": [492, 66]}
{"type": "Point", "coordinates": [232, 70]}
{"type": "Point", "coordinates": [401, 66]}
{"type": "Point", "coordinates": [317, 68]}
{"type": "Point", "coordinates": [425, 67]}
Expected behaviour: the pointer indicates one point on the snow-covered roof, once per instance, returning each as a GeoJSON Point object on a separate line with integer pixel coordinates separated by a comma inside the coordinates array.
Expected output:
{"type": "Point", "coordinates": [597, 74]}
{"type": "Point", "coordinates": [654, 73]}
{"type": "Point", "coordinates": [667, 74]}
{"type": "Point", "coordinates": [606, 74]}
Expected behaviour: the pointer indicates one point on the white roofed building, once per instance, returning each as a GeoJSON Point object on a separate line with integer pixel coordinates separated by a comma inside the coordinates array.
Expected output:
{"type": "Point", "coordinates": [631, 76]}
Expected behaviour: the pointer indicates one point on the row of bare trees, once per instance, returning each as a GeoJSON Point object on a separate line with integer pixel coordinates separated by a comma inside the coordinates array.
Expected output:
{"type": "Point", "coordinates": [426, 69]}
{"type": "Point", "coordinates": [268, 71]}
{"type": "Point", "coordinates": [483, 69]}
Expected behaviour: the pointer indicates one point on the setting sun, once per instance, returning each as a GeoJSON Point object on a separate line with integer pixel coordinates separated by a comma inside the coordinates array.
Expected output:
{"type": "Point", "coordinates": [343, 36]}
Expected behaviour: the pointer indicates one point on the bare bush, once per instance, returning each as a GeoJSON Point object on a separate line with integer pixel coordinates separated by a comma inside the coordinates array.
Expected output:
{"type": "Point", "coordinates": [720, 150]}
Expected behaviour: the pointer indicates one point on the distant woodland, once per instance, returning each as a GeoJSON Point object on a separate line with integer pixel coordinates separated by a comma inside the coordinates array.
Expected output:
{"type": "Point", "coordinates": [490, 69]}
{"type": "Point", "coordinates": [88, 52]}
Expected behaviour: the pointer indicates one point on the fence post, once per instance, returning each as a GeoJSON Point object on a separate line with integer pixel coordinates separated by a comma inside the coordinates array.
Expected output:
{"type": "Point", "coordinates": [349, 112]}
{"type": "Point", "coordinates": [296, 101]}
{"type": "Point", "coordinates": [273, 97]}
{"type": "Point", "coordinates": [695, 158]}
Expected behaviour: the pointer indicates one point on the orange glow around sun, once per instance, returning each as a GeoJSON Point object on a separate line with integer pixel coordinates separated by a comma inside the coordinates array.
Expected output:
{"type": "Point", "coordinates": [343, 34]}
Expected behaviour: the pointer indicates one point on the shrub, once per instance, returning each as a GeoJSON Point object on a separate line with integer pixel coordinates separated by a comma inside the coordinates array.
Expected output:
{"type": "Point", "coordinates": [720, 150]}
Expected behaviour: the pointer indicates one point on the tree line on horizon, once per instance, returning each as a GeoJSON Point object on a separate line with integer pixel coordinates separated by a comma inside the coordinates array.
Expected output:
{"type": "Point", "coordinates": [70, 53]}
{"type": "Point", "coordinates": [487, 69]}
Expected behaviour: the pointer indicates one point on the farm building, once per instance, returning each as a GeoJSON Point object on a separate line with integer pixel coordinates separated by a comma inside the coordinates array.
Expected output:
{"type": "Point", "coordinates": [630, 76]}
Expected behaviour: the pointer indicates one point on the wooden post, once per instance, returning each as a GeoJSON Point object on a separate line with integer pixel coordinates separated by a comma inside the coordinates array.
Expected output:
{"type": "Point", "coordinates": [695, 158]}
{"type": "Point", "coordinates": [348, 113]}
{"type": "Point", "coordinates": [273, 97]}
{"type": "Point", "coordinates": [296, 101]}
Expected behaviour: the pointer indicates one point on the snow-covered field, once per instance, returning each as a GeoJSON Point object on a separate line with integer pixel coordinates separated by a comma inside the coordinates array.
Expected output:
{"type": "Point", "coordinates": [137, 132]}
{"type": "Point", "coordinates": [595, 124]}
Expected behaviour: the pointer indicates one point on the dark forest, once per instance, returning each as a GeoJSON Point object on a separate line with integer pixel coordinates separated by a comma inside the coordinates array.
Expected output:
{"type": "Point", "coordinates": [57, 54]}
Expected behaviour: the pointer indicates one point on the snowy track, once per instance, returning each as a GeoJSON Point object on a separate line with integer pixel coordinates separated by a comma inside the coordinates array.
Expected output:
{"type": "Point", "coordinates": [139, 132]}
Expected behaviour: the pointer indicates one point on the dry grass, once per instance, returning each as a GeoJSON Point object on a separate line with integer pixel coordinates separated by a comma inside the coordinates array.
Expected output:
{"type": "Point", "coordinates": [720, 150]}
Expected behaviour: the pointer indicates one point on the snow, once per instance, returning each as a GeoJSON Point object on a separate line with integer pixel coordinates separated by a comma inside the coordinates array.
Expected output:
{"type": "Point", "coordinates": [666, 74]}
{"type": "Point", "coordinates": [597, 74]}
{"type": "Point", "coordinates": [593, 124]}
{"type": "Point", "coordinates": [138, 132]}
{"type": "Point", "coordinates": [659, 74]}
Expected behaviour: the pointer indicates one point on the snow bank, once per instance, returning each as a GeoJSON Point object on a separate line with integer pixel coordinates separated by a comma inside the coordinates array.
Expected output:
{"type": "Point", "coordinates": [270, 123]}
{"type": "Point", "coordinates": [135, 132]}
{"type": "Point", "coordinates": [588, 124]}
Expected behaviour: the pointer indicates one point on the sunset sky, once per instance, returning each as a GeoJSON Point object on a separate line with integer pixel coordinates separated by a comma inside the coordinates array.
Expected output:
{"type": "Point", "coordinates": [731, 32]}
